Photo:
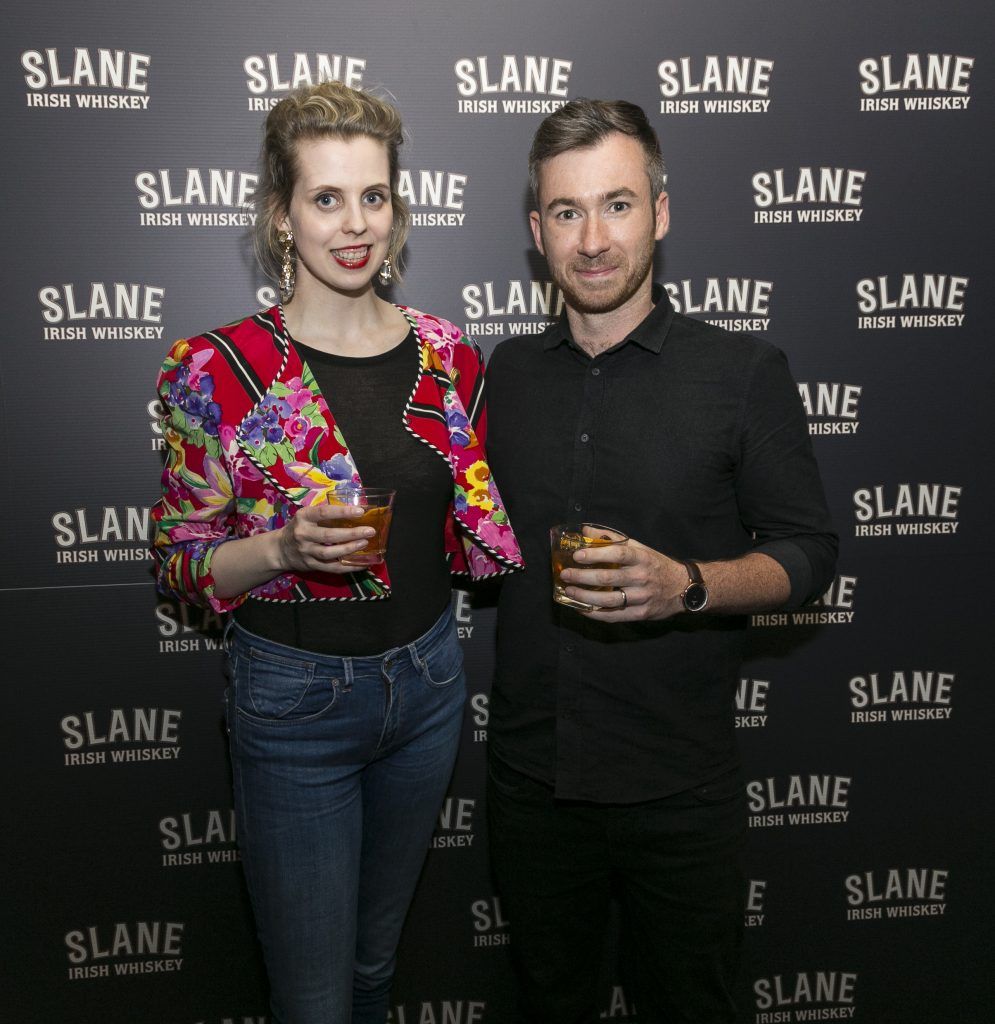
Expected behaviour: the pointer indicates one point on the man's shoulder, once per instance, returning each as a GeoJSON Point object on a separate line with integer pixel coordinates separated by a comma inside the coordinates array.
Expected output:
{"type": "Point", "coordinates": [702, 341]}
{"type": "Point", "coordinates": [520, 352]}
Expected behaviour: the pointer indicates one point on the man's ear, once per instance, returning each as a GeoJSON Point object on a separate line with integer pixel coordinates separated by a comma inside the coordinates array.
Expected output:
{"type": "Point", "coordinates": [662, 211]}
{"type": "Point", "coordinates": [535, 222]}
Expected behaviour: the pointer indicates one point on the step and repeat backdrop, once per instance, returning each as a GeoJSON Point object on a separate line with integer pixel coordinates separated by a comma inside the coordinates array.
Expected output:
{"type": "Point", "coordinates": [830, 180]}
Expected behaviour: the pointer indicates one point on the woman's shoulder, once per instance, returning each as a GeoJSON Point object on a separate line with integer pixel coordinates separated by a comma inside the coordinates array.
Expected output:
{"type": "Point", "coordinates": [436, 330]}
{"type": "Point", "coordinates": [245, 335]}
{"type": "Point", "coordinates": [264, 325]}
{"type": "Point", "coordinates": [452, 346]}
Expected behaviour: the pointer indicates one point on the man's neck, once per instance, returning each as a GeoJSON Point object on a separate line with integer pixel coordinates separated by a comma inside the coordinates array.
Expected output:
{"type": "Point", "coordinates": [595, 333]}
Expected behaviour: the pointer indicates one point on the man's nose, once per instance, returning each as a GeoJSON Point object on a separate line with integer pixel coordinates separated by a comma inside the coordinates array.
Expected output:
{"type": "Point", "coordinates": [594, 240]}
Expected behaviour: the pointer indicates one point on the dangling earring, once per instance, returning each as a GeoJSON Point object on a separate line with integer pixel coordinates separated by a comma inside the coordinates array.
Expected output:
{"type": "Point", "coordinates": [386, 272]}
{"type": "Point", "coordinates": [288, 274]}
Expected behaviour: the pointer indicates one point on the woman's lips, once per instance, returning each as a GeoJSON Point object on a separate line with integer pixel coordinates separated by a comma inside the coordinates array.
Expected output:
{"type": "Point", "coordinates": [352, 258]}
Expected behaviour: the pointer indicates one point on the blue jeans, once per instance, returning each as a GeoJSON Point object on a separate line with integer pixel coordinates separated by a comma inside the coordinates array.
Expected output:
{"type": "Point", "coordinates": [340, 766]}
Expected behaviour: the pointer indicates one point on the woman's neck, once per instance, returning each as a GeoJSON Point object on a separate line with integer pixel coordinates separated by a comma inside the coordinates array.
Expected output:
{"type": "Point", "coordinates": [342, 323]}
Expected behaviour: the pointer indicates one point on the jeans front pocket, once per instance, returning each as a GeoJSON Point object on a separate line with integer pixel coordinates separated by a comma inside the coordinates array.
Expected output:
{"type": "Point", "coordinates": [282, 690]}
{"type": "Point", "coordinates": [442, 665]}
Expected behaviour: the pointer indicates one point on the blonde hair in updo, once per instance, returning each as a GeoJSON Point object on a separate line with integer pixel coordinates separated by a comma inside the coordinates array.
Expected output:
{"type": "Point", "coordinates": [322, 111]}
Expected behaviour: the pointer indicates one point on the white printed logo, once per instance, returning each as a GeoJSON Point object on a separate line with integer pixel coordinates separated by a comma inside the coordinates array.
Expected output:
{"type": "Point", "coordinates": [192, 197]}
{"type": "Point", "coordinates": [926, 81]}
{"type": "Point", "coordinates": [912, 892]}
{"type": "Point", "coordinates": [803, 800]}
{"type": "Point", "coordinates": [434, 197]}
{"type": "Point", "coordinates": [756, 892]}
{"type": "Point", "coordinates": [86, 535]}
{"type": "Point", "coordinates": [834, 608]}
{"type": "Point", "coordinates": [915, 301]}
{"type": "Point", "coordinates": [136, 947]}
{"type": "Point", "coordinates": [732, 303]}
{"type": "Point", "coordinates": [751, 703]}
{"type": "Point", "coordinates": [807, 995]}
{"type": "Point", "coordinates": [726, 85]}
{"type": "Point", "coordinates": [118, 78]}
{"type": "Point", "coordinates": [102, 311]}
{"type": "Point", "coordinates": [444, 1011]}
{"type": "Point", "coordinates": [916, 696]}
{"type": "Point", "coordinates": [184, 629]}
{"type": "Point", "coordinates": [831, 407]}
{"type": "Point", "coordinates": [906, 510]}
{"type": "Point", "coordinates": [269, 74]}
{"type": "Point", "coordinates": [483, 303]}
{"type": "Point", "coordinates": [545, 79]}
{"type": "Point", "coordinates": [810, 195]}
{"type": "Point", "coordinates": [455, 825]}
{"type": "Point", "coordinates": [205, 837]}
{"type": "Point", "coordinates": [490, 926]}
{"type": "Point", "coordinates": [121, 736]}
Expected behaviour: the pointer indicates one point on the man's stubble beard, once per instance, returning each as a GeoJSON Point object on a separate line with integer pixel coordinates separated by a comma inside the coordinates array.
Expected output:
{"type": "Point", "coordinates": [604, 302]}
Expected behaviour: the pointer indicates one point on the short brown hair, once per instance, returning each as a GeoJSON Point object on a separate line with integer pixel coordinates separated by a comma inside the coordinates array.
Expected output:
{"type": "Point", "coordinates": [325, 110]}
{"type": "Point", "coordinates": [583, 123]}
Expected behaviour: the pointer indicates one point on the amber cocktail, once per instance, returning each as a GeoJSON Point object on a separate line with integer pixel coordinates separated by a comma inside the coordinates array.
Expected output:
{"type": "Point", "coordinates": [567, 538]}
{"type": "Point", "coordinates": [378, 507]}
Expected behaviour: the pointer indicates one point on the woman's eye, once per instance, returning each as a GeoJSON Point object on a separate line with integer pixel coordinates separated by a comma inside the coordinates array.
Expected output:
{"type": "Point", "coordinates": [325, 200]}
{"type": "Point", "coordinates": [375, 199]}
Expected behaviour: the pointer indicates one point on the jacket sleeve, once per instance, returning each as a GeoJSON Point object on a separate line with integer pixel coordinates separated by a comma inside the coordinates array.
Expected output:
{"type": "Point", "coordinates": [490, 545]}
{"type": "Point", "coordinates": [196, 512]}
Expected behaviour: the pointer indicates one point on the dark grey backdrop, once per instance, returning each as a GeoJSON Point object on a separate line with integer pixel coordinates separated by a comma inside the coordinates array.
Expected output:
{"type": "Point", "coordinates": [124, 901]}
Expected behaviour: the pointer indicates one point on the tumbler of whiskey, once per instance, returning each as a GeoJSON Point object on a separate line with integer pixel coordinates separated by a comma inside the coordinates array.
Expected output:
{"type": "Point", "coordinates": [378, 508]}
{"type": "Point", "coordinates": [564, 540]}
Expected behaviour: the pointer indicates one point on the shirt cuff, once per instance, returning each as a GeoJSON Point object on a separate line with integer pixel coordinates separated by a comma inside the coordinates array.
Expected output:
{"type": "Point", "coordinates": [792, 558]}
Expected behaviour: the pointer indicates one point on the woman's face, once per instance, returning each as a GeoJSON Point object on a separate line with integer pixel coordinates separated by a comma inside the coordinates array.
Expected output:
{"type": "Point", "coordinates": [340, 213]}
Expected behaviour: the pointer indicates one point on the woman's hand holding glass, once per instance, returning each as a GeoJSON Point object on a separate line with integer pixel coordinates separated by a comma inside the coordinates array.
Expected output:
{"type": "Point", "coordinates": [318, 537]}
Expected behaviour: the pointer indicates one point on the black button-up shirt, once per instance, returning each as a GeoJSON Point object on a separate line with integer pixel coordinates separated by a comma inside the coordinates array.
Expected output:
{"type": "Point", "coordinates": [691, 440]}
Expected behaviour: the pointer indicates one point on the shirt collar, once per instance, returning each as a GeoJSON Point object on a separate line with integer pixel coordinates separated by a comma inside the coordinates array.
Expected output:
{"type": "Point", "coordinates": [649, 334]}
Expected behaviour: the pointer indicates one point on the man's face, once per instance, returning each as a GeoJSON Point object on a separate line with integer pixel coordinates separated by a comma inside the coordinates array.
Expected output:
{"type": "Point", "coordinates": [596, 223]}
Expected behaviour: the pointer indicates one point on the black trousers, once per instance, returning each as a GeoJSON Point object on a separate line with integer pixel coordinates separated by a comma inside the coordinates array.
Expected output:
{"type": "Point", "coordinates": [675, 864]}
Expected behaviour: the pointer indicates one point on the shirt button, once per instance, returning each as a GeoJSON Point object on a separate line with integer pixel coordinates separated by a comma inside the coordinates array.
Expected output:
{"type": "Point", "coordinates": [596, 371]}
{"type": "Point", "coordinates": [585, 438]}
{"type": "Point", "coordinates": [570, 648]}
{"type": "Point", "coordinates": [578, 508]}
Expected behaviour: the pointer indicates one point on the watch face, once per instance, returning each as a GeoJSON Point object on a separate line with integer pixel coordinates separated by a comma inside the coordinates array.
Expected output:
{"type": "Point", "coordinates": [695, 597]}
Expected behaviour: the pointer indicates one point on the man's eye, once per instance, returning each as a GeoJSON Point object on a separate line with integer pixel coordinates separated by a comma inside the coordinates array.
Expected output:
{"type": "Point", "coordinates": [618, 207]}
{"type": "Point", "coordinates": [566, 215]}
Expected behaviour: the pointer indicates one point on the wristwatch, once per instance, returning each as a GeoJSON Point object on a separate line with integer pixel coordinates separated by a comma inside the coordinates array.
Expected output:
{"type": "Point", "coordinates": [695, 596]}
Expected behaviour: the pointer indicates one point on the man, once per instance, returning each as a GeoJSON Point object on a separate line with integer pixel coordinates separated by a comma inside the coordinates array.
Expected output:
{"type": "Point", "coordinates": [613, 764]}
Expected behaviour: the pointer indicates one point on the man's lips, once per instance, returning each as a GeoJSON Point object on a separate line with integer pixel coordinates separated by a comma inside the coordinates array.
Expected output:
{"type": "Point", "coordinates": [353, 257]}
{"type": "Point", "coordinates": [595, 271]}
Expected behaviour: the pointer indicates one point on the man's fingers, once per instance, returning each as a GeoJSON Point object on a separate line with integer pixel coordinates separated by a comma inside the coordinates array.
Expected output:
{"type": "Point", "coordinates": [613, 554]}
{"type": "Point", "coordinates": [593, 577]}
{"type": "Point", "coordinates": [608, 600]}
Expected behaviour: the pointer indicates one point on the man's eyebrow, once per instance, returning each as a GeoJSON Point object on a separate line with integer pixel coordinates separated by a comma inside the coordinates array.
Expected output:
{"type": "Point", "coordinates": [605, 197]}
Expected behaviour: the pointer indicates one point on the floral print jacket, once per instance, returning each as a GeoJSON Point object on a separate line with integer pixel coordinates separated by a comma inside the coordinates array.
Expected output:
{"type": "Point", "coordinates": [250, 440]}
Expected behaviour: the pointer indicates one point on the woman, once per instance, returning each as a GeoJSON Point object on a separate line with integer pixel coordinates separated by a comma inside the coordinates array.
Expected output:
{"type": "Point", "coordinates": [347, 689]}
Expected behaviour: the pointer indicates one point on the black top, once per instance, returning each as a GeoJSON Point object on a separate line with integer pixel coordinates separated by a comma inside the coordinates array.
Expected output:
{"type": "Point", "coordinates": [691, 440]}
{"type": "Point", "coordinates": [367, 397]}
